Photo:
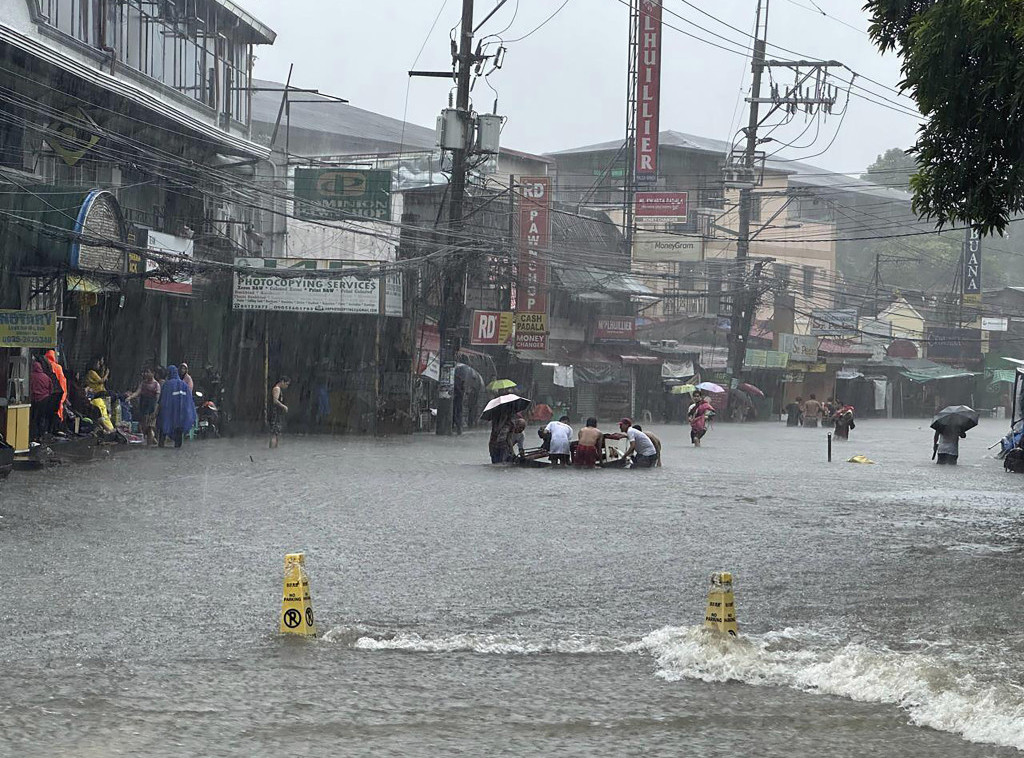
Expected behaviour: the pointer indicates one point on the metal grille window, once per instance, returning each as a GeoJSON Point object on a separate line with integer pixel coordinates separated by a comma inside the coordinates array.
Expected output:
{"type": "Point", "coordinates": [184, 44]}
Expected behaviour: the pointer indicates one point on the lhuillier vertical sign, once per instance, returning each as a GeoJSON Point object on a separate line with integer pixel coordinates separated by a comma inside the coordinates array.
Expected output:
{"type": "Point", "coordinates": [648, 89]}
{"type": "Point", "coordinates": [972, 267]}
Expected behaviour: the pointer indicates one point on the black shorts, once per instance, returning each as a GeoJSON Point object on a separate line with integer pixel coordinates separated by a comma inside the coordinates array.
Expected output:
{"type": "Point", "coordinates": [559, 458]}
{"type": "Point", "coordinates": [695, 435]}
{"type": "Point", "coordinates": [946, 459]}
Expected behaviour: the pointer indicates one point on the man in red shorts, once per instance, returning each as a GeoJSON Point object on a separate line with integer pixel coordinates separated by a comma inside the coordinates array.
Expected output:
{"type": "Point", "coordinates": [591, 441]}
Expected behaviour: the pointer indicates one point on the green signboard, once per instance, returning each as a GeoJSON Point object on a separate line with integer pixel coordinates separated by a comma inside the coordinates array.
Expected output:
{"type": "Point", "coordinates": [334, 194]}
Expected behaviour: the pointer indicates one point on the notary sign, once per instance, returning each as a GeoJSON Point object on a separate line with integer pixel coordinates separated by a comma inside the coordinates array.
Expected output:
{"type": "Point", "coordinates": [34, 329]}
{"type": "Point", "coordinates": [334, 194]}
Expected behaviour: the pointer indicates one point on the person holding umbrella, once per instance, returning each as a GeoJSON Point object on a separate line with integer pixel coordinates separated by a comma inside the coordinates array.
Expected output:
{"type": "Point", "coordinates": [503, 413]}
{"type": "Point", "coordinates": [951, 425]}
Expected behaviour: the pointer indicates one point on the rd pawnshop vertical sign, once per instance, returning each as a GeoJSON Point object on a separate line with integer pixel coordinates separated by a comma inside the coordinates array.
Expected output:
{"type": "Point", "coordinates": [972, 267]}
{"type": "Point", "coordinates": [648, 89]}
{"type": "Point", "coordinates": [534, 240]}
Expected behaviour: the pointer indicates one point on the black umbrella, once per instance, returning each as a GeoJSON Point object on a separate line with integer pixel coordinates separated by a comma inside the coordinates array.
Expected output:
{"type": "Point", "coordinates": [958, 418]}
{"type": "Point", "coordinates": [505, 404]}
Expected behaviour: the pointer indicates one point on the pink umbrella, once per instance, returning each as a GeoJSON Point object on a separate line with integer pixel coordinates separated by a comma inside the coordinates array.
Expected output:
{"type": "Point", "coordinates": [750, 388]}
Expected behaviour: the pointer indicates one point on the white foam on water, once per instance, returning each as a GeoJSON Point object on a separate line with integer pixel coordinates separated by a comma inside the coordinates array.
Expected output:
{"type": "Point", "coordinates": [481, 643]}
{"type": "Point", "coordinates": [934, 691]}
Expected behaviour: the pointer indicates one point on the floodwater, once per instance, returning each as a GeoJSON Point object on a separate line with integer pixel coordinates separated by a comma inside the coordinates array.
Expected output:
{"type": "Point", "coordinates": [466, 609]}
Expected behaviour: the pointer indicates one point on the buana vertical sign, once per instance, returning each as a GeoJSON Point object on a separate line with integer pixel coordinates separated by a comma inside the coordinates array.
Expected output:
{"type": "Point", "coordinates": [972, 267]}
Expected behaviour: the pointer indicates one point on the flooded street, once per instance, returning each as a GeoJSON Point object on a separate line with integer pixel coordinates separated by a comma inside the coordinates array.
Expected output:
{"type": "Point", "coordinates": [470, 609]}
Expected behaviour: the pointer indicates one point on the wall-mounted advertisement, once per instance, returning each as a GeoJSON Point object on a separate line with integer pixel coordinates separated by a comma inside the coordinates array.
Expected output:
{"type": "Point", "coordinates": [258, 288]}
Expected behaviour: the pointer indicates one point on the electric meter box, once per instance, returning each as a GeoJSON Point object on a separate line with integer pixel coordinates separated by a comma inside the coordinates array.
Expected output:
{"type": "Point", "coordinates": [488, 132]}
{"type": "Point", "coordinates": [451, 130]}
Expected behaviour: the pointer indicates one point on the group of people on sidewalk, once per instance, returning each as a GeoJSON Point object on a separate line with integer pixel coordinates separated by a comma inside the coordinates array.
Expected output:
{"type": "Point", "coordinates": [65, 404]}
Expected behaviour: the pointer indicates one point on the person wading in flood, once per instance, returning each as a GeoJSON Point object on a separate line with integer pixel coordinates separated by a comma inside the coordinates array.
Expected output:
{"type": "Point", "coordinates": [591, 440]}
{"type": "Point", "coordinates": [946, 445]}
{"type": "Point", "coordinates": [812, 412]}
{"type": "Point", "coordinates": [645, 455]}
{"type": "Point", "coordinates": [278, 410]}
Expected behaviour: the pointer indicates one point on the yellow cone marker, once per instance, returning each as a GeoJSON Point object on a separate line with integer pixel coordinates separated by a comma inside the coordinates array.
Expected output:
{"type": "Point", "coordinates": [297, 605]}
{"type": "Point", "coordinates": [721, 613]}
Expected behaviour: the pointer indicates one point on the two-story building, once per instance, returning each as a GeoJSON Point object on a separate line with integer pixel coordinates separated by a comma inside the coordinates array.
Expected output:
{"type": "Point", "coordinates": [123, 124]}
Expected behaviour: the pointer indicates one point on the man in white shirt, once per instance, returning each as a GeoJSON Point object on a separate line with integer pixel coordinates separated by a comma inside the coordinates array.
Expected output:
{"type": "Point", "coordinates": [644, 453]}
{"type": "Point", "coordinates": [560, 434]}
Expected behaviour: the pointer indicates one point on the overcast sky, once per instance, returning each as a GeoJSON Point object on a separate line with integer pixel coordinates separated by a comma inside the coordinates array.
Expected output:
{"type": "Point", "coordinates": [564, 85]}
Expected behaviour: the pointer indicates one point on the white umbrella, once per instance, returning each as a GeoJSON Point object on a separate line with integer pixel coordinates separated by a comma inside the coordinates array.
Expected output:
{"type": "Point", "coordinates": [710, 387]}
{"type": "Point", "coordinates": [505, 404]}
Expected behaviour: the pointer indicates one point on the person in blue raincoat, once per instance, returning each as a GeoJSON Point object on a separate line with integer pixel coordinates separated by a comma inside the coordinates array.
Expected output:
{"type": "Point", "coordinates": [177, 413]}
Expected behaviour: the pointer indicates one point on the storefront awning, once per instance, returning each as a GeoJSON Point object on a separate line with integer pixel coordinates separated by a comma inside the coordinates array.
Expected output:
{"type": "Point", "coordinates": [641, 360]}
{"type": "Point", "coordinates": [600, 284]}
{"type": "Point", "coordinates": [921, 376]}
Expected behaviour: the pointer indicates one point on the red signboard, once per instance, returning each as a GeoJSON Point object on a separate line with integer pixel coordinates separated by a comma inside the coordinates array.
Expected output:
{"type": "Point", "coordinates": [534, 239]}
{"type": "Point", "coordinates": [428, 360]}
{"type": "Point", "coordinates": [491, 327]}
{"type": "Point", "coordinates": [531, 341]}
{"type": "Point", "coordinates": [648, 88]}
{"type": "Point", "coordinates": [661, 205]}
{"type": "Point", "coordinates": [615, 329]}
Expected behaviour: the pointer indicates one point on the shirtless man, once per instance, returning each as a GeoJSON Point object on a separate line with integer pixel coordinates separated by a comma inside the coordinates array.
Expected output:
{"type": "Point", "coordinates": [591, 440]}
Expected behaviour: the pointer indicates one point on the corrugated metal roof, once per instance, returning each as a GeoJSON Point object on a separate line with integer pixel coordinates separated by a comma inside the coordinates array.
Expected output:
{"type": "Point", "coordinates": [799, 173]}
{"type": "Point", "coordinates": [349, 129]}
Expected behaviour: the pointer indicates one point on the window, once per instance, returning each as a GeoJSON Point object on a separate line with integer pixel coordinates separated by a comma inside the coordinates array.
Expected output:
{"type": "Point", "coordinates": [755, 207]}
{"type": "Point", "coordinates": [808, 282]}
{"type": "Point", "coordinates": [184, 45]}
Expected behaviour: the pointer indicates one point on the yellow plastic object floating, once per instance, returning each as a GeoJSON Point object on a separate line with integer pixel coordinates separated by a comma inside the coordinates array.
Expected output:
{"type": "Point", "coordinates": [860, 459]}
{"type": "Point", "coordinates": [721, 612]}
{"type": "Point", "coordinates": [296, 604]}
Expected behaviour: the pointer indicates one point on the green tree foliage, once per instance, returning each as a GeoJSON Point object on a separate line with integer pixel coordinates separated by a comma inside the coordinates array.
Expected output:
{"type": "Point", "coordinates": [893, 168]}
{"type": "Point", "coordinates": [962, 64]}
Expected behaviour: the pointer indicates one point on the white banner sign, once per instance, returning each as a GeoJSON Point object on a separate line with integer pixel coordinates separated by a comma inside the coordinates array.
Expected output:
{"type": "Point", "coordinates": [800, 348]}
{"type": "Point", "coordinates": [662, 246]}
{"type": "Point", "coordinates": [259, 291]}
{"type": "Point", "coordinates": [993, 324]}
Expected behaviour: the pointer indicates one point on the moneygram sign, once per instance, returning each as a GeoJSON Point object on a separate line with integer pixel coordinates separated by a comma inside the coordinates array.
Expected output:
{"type": "Point", "coordinates": [661, 246]}
{"type": "Point", "coordinates": [331, 194]}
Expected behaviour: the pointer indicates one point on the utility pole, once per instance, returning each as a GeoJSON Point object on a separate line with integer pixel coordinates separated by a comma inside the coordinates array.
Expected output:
{"type": "Point", "coordinates": [453, 291]}
{"type": "Point", "coordinates": [815, 96]}
{"type": "Point", "coordinates": [743, 301]}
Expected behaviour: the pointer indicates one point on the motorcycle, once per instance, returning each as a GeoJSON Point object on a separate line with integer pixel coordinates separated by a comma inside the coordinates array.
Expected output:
{"type": "Point", "coordinates": [207, 417]}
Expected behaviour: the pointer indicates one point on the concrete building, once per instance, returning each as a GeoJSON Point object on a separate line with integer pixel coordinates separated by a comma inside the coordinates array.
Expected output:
{"type": "Point", "coordinates": [122, 123]}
